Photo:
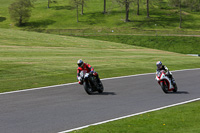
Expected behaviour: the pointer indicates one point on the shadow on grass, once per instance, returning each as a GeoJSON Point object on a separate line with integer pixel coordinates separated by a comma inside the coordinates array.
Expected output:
{"type": "Point", "coordinates": [172, 19]}
{"type": "Point", "coordinates": [162, 19]}
{"type": "Point", "coordinates": [37, 24]}
{"type": "Point", "coordinates": [63, 8]}
{"type": "Point", "coordinates": [2, 19]}
{"type": "Point", "coordinates": [159, 21]}
{"type": "Point", "coordinates": [93, 18]}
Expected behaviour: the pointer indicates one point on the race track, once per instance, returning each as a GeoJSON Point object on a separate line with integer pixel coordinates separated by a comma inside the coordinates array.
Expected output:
{"type": "Point", "coordinates": [55, 109]}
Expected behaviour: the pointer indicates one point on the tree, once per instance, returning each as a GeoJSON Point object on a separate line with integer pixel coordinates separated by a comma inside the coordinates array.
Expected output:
{"type": "Point", "coordinates": [76, 4]}
{"type": "Point", "coordinates": [82, 5]}
{"type": "Point", "coordinates": [104, 11]}
{"type": "Point", "coordinates": [126, 3]}
{"type": "Point", "coordinates": [49, 1]}
{"type": "Point", "coordinates": [180, 25]}
{"type": "Point", "coordinates": [177, 3]}
{"type": "Point", "coordinates": [148, 9]}
{"type": "Point", "coordinates": [197, 5]}
{"type": "Point", "coordinates": [138, 7]}
{"type": "Point", "coordinates": [194, 5]}
{"type": "Point", "coordinates": [20, 11]}
{"type": "Point", "coordinates": [174, 3]}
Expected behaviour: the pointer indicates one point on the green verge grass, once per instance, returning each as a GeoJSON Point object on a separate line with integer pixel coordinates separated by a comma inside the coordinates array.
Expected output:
{"type": "Point", "coordinates": [179, 119]}
{"type": "Point", "coordinates": [30, 59]}
{"type": "Point", "coordinates": [179, 44]}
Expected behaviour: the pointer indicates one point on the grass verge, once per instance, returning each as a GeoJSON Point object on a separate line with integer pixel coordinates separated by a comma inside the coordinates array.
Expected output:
{"type": "Point", "coordinates": [179, 44]}
{"type": "Point", "coordinates": [180, 119]}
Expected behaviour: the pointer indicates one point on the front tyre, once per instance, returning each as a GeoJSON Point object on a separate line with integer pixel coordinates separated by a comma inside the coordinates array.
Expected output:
{"type": "Point", "coordinates": [87, 88]}
{"type": "Point", "coordinates": [100, 88]}
{"type": "Point", "coordinates": [164, 87]}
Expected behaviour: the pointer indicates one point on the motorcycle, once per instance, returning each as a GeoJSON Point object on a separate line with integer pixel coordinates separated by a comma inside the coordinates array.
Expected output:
{"type": "Point", "coordinates": [165, 82]}
{"type": "Point", "coordinates": [90, 83]}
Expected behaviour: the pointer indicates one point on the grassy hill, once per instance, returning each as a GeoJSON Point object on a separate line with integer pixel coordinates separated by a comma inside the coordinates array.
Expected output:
{"type": "Point", "coordinates": [61, 18]}
{"type": "Point", "coordinates": [50, 57]}
{"type": "Point", "coordinates": [30, 59]}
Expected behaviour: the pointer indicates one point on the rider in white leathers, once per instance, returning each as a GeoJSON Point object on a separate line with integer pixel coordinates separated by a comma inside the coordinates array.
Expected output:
{"type": "Point", "coordinates": [161, 67]}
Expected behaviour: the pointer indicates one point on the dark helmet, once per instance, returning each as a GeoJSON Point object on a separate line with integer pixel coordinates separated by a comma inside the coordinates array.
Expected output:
{"type": "Point", "coordinates": [80, 63]}
{"type": "Point", "coordinates": [159, 64]}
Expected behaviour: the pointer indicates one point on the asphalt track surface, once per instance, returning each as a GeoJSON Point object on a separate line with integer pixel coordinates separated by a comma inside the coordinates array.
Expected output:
{"type": "Point", "coordinates": [56, 109]}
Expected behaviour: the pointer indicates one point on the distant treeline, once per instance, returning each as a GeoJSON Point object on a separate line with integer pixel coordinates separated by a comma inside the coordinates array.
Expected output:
{"type": "Point", "coordinates": [20, 10]}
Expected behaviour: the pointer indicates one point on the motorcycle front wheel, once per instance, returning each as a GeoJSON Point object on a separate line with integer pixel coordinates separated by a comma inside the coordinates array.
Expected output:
{"type": "Point", "coordinates": [164, 87]}
{"type": "Point", "coordinates": [87, 88]}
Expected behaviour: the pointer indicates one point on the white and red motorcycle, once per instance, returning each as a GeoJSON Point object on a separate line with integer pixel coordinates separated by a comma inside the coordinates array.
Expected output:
{"type": "Point", "coordinates": [165, 82]}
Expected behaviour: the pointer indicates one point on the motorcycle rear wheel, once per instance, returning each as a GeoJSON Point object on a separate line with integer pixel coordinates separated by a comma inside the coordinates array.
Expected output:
{"type": "Point", "coordinates": [175, 88]}
{"type": "Point", "coordinates": [100, 88]}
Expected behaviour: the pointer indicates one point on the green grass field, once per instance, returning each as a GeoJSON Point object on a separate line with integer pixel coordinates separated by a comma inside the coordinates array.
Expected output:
{"type": "Point", "coordinates": [179, 119]}
{"type": "Point", "coordinates": [30, 59]}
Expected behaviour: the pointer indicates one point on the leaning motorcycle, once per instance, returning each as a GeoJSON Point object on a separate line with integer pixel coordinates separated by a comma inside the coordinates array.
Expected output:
{"type": "Point", "coordinates": [165, 82]}
{"type": "Point", "coordinates": [90, 83]}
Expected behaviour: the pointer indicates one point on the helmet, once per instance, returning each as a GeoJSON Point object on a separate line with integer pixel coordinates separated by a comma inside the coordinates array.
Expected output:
{"type": "Point", "coordinates": [159, 64]}
{"type": "Point", "coordinates": [80, 63]}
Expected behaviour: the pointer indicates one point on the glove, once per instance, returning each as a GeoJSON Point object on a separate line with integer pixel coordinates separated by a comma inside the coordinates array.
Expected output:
{"type": "Point", "coordinates": [91, 72]}
{"type": "Point", "coordinates": [95, 74]}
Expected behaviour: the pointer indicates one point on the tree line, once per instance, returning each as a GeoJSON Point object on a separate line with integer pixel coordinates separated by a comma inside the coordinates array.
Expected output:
{"type": "Point", "coordinates": [20, 10]}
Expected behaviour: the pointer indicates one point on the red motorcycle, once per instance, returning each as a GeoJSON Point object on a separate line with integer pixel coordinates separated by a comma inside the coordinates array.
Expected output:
{"type": "Point", "coordinates": [165, 82]}
{"type": "Point", "coordinates": [90, 83]}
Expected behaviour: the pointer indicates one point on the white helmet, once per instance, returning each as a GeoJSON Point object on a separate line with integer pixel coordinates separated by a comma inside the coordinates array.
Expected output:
{"type": "Point", "coordinates": [159, 64]}
{"type": "Point", "coordinates": [80, 63]}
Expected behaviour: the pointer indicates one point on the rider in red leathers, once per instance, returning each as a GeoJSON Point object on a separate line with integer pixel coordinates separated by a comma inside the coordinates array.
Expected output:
{"type": "Point", "coordinates": [85, 67]}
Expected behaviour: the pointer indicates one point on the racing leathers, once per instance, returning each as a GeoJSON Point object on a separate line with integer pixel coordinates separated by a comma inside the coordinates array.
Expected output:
{"type": "Point", "coordinates": [89, 69]}
{"type": "Point", "coordinates": [167, 72]}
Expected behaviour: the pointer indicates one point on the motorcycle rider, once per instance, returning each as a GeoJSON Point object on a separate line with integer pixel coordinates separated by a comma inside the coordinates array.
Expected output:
{"type": "Point", "coordinates": [85, 67]}
{"type": "Point", "coordinates": [161, 67]}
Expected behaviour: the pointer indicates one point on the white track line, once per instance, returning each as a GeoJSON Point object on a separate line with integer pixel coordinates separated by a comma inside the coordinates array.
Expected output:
{"type": "Point", "coordinates": [37, 88]}
{"type": "Point", "coordinates": [77, 83]}
{"type": "Point", "coordinates": [130, 115]}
